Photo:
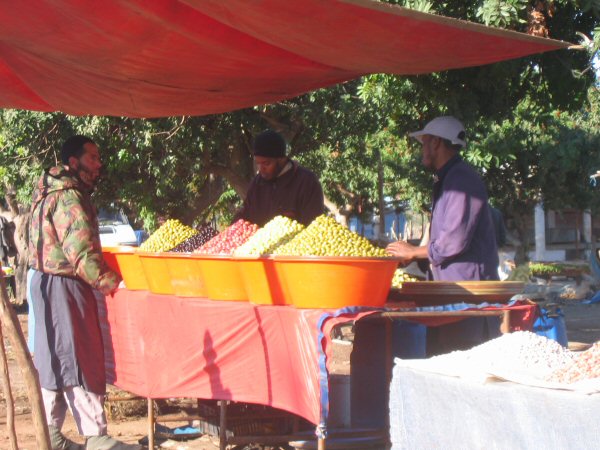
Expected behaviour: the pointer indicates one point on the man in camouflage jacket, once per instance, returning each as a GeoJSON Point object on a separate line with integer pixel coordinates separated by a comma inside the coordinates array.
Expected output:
{"type": "Point", "coordinates": [64, 231]}
{"type": "Point", "coordinates": [69, 273]}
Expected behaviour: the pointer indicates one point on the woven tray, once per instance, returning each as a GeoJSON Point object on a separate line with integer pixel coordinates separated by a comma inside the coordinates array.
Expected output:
{"type": "Point", "coordinates": [447, 292]}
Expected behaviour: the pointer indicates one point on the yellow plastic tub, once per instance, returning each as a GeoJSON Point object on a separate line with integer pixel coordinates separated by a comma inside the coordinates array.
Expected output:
{"type": "Point", "coordinates": [223, 278]}
{"type": "Point", "coordinates": [157, 272]}
{"type": "Point", "coordinates": [131, 269]}
{"type": "Point", "coordinates": [186, 274]}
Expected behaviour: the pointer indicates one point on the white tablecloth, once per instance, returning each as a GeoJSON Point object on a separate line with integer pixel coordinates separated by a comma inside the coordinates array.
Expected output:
{"type": "Point", "coordinates": [432, 411]}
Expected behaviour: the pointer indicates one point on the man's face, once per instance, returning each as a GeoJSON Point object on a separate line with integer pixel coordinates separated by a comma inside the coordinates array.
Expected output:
{"type": "Point", "coordinates": [268, 168]}
{"type": "Point", "coordinates": [88, 165]}
{"type": "Point", "coordinates": [430, 151]}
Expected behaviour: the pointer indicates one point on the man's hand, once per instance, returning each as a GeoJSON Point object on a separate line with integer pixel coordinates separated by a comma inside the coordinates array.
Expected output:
{"type": "Point", "coordinates": [403, 251]}
{"type": "Point", "coordinates": [120, 286]}
{"type": "Point", "coordinates": [406, 252]}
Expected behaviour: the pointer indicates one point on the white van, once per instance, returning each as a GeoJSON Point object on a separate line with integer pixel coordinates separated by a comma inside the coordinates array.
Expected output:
{"type": "Point", "coordinates": [115, 229]}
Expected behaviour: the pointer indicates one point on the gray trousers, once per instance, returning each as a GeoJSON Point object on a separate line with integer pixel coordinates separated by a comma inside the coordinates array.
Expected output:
{"type": "Point", "coordinates": [68, 341]}
{"type": "Point", "coordinates": [87, 409]}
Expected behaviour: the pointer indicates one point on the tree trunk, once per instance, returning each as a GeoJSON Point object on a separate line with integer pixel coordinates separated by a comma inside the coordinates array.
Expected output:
{"type": "Point", "coordinates": [236, 181]}
{"type": "Point", "coordinates": [336, 211]}
{"type": "Point", "coordinates": [10, 323]}
{"type": "Point", "coordinates": [520, 228]}
{"type": "Point", "coordinates": [21, 241]}
{"type": "Point", "coordinates": [380, 199]}
{"type": "Point", "coordinates": [577, 233]}
{"type": "Point", "coordinates": [209, 193]}
{"type": "Point", "coordinates": [18, 262]}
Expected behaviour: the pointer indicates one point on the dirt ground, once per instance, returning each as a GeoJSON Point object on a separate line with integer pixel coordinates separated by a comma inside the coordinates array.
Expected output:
{"type": "Point", "coordinates": [583, 328]}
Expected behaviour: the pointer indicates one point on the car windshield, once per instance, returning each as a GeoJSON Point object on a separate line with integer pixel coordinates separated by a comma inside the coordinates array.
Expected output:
{"type": "Point", "coordinates": [110, 216]}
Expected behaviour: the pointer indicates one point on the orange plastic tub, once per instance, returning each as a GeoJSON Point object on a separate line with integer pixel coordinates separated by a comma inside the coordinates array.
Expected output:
{"type": "Point", "coordinates": [262, 282]}
{"type": "Point", "coordinates": [186, 274]}
{"type": "Point", "coordinates": [222, 278]}
{"type": "Point", "coordinates": [336, 282]}
{"type": "Point", "coordinates": [111, 258]}
{"type": "Point", "coordinates": [131, 268]}
{"type": "Point", "coordinates": [157, 272]}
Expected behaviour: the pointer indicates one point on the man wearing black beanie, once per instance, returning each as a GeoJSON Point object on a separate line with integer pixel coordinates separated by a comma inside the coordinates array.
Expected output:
{"type": "Point", "coordinates": [281, 187]}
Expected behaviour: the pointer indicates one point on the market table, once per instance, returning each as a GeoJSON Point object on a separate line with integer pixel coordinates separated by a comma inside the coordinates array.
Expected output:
{"type": "Point", "coordinates": [162, 346]}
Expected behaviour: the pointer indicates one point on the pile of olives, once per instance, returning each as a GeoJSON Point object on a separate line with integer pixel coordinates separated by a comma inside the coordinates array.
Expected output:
{"type": "Point", "coordinates": [276, 232]}
{"type": "Point", "coordinates": [326, 237]}
{"type": "Point", "coordinates": [229, 239]}
{"type": "Point", "coordinates": [170, 234]}
{"type": "Point", "coordinates": [205, 234]}
{"type": "Point", "coordinates": [401, 277]}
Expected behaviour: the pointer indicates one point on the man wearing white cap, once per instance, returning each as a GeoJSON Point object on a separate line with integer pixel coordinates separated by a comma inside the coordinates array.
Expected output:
{"type": "Point", "coordinates": [462, 239]}
{"type": "Point", "coordinates": [462, 242]}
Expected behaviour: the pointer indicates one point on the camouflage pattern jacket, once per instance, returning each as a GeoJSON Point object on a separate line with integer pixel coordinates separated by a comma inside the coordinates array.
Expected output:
{"type": "Point", "coordinates": [64, 238]}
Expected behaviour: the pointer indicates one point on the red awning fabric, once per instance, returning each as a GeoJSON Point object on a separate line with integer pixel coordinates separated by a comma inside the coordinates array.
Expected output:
{"type": "Point", "coordinates": [155, 58]}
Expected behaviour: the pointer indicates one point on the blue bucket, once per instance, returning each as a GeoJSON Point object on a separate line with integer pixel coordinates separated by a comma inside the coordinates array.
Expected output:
{"type": "Point", "coordinates": [551, 325]}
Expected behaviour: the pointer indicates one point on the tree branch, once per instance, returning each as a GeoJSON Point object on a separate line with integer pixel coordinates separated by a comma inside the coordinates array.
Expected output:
{"type": "Point", "coordinates": [352, 196]}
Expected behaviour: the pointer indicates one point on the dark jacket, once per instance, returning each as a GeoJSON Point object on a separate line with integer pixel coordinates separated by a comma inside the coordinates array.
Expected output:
{"type": "Point", "coordinates": [296, 194]}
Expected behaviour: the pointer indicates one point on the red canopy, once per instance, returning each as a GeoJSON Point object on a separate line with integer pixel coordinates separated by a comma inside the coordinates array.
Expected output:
{"type": "Point", "coordinates": [151, 58]}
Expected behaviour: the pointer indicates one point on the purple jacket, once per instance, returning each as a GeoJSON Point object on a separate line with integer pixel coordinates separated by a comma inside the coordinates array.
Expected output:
{"type": "Point", "coordinates": [296, 194]}
{"type": "Point", "coordinates": [462, 244]}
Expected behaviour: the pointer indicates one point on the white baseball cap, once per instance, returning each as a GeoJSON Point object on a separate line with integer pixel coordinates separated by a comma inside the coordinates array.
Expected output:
{"type": "Point", "coordinates": [446, 127]}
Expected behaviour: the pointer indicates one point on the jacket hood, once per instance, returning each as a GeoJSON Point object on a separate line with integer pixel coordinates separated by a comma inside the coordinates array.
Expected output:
{"type": "Point", "coordinates": [56, 179]}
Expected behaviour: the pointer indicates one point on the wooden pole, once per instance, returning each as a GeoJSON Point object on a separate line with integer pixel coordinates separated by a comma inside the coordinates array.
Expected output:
{"type": "Point", "coordinates": [223, 424]}
{"type": "Point", "coordinates": [10, 323]}
{"type": "Point", "coordinates": [10, 405]}
{"type": "Point", "coordinates": [151, 420]}
{"type": "Point", "coordinates": [321, 445]}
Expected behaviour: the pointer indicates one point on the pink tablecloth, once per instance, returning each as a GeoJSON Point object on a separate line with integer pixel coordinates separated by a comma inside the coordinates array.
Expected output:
{"type": "Point", "coordinates": [162, 346]}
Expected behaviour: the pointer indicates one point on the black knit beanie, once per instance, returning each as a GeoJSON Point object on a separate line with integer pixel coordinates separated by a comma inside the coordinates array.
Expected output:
{"type": "Point", "coordinates": [269, 144]}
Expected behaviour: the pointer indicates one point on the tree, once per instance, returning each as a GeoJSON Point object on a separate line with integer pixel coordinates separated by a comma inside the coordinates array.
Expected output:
{"type": "Point", "coordinates": [540, 158]}
{"type": "Point", "coordinates": [513, 110]}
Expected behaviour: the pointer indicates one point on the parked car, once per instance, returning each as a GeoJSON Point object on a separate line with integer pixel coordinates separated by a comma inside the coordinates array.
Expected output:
{"type": "Point", "coordinates": [115, 229]}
